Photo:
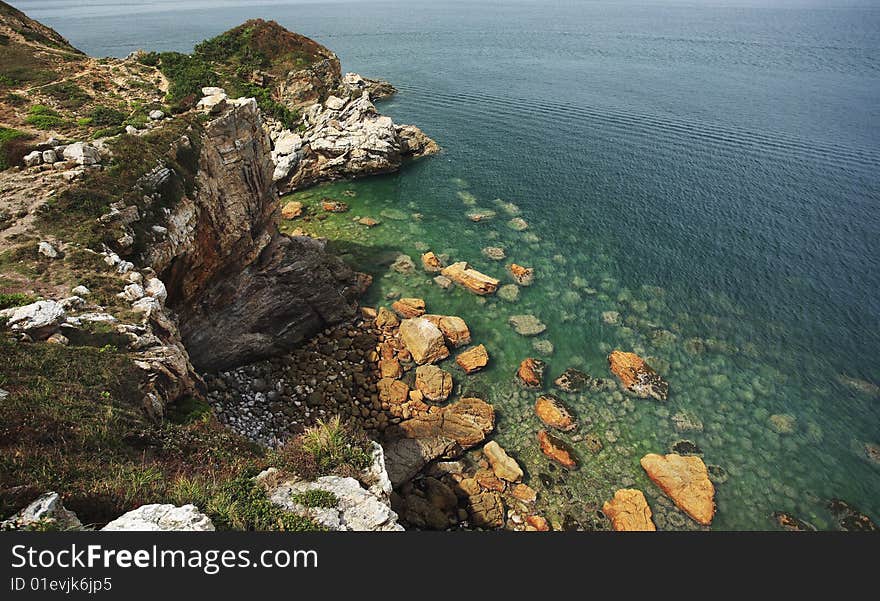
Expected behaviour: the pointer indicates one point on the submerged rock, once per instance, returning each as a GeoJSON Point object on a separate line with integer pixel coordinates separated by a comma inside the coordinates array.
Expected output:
{"type": "Point", "coordinates": [531, 373]}
{"type": "Point", "coordinates": [782, 423]}
{"type": "Point", "coordinates": [544, 347]}
{"type": "Point", "coordinates": [572, 380]}
{"type": "Point", "coordinates": [849, 518]}
{"type": "Point", "coordinates": [637, 376]}
{"type": "Point", "coordinates": [557, 450]}
{"type": "Point", "coordinates": [518, 224]}
{"type": "Point", "coordinates": [496, 253]}
{"type": "Point", "coordinates": [686, 447]}
{"type": "Point", "coordinates": [629, 511]}
{"type": "Point", "coordinates": [334, 206]}
{"type": "Point", "coordinates": [686, 481]}
{"type": "Point", "coordinates": [509, 293]}
{"type": "Point", "coordinates": [789, 522]}
{"type": "Point", "coordinates": [686, 422]}
{"type": "Point", "coordinates": [292, 210]}
{"type": "Point", "coordinates": [526, 325]}
{"type": "Point", "coordinates": [553, 413]}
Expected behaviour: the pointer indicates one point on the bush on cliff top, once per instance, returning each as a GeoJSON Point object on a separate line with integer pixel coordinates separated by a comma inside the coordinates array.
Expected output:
{"type": "Point", "coordinates": [230, 59]}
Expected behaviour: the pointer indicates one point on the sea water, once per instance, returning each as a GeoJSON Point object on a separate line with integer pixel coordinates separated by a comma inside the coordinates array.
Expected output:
{"type": "Point", "coordinates": [710, 172]}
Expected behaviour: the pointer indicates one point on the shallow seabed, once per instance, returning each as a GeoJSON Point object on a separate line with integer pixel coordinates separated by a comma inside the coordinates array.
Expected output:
{"type": "Point", "coordinates": [727, 375]}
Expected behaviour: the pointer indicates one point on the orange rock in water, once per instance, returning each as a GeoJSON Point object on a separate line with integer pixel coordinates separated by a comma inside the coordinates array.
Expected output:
{"type": "Point", "coordinates": [292, 210]}
{"type": "Point", "coordinates": [531, 372]}
{"type": "Point", "coordinates": [455, 330]}
{"type": "Point", "coordinates": [473, 280]}
{"type": "Point", "coordinates": [637, 376]}
{"type": "Point", "coordinates": [434, 383]}
{"type": "Point", "coordinates": [629, 511]}
{"type": "Point", "coordinates": [538, 523]}
{"type": "Point", "coordinates": [431, 262]}
{"type": "Point", "coordinates": [424, 340]}
{"type": "Point", "coordinates": [524, 493]}
{"type": "Point", "coordinates": [556, 450]}
{"type": "Point", "coordinates": [524, 276]}
{"type": "Point", "coordinates": [409, 307]}
{"type": "Point", "coordinates": [473, 359]}
{"type": "Point", "coordinates": [686, 481]}
{"type": "Point", "coordinates": [334, 206]}
{"type": "Point", "coordinates": [553, 413]}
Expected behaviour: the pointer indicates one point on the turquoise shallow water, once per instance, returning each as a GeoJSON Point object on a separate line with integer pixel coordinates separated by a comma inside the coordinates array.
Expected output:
{"type": "Point", "coordinates": [709, 172]}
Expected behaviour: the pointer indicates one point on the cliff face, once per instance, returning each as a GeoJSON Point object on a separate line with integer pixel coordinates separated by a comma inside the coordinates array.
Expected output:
{"type": "Point", "coordinates": [241, 290]}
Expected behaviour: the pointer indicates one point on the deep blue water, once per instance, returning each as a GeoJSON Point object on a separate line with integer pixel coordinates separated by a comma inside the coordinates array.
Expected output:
{"type": "Point", "coordinates": [726, 152]}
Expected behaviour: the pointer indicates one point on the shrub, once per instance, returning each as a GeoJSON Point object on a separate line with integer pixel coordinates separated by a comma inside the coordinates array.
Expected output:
{"type": "Point", "coordinates": [13, 146]}
{"type": "Point", "coordinates": [16, 300]}
{"type": "Point", "coordinates": [108, 132]}
{"type": "Point", "coordinates": [315, 498]}
{"type": "Point", "coordinates": [67, 94]}
{"type": "Point", "coordinates": [102, 115]}
{"type": "Point", "coordinates": [43, 117]}
{"type": "Point", "coordinates": [334, 444]}
{"type": "Point", "coordinates": [186, 74]}
{"type": "Point", "coordinates": [242, 504]}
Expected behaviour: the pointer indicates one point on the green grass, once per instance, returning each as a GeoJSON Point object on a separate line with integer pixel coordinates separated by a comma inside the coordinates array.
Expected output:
{"type": "Point", "coordinates": [43, 117]}
{"type": "Point", "coordinates": [67, 94]}
{"type": "Point", "coordinates": [72, 214]}
{"type": "Point", "coordinates": [16, 299]}
{"type": "Point", "coordinates": [13, 146]}
{"type": "Point", "coordinates": [315, 498]}
{"type": "Point", "coordinates": [103, 115]}
{"type": "Point", "coordinates": [334, 444]}
{"type": "Point", "coordinates": [74, 423]}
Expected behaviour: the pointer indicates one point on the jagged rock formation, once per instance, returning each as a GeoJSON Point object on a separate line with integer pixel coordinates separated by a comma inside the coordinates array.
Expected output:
{"type": "Point", "coordinates": [241, 289]}
{"type": "Point", "coordinates": [346, 138]}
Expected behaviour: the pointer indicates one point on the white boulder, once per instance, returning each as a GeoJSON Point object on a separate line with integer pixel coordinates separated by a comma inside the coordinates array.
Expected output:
{"type": "Point", "coordinates": [81, 291]}
{"type": "Point", "coordinates": [161, 517]}
{"type": "Point", "coordinates": [82, 154]}
{"type": "Point", "coordinates": [33, 318]}
{"type": "Point", "coordinates": [287, 143]}
{"type": "Point", "coordinates": [32, 159]}
{"type": "Point", "coordinates": [47, 250]}
{"type": "Point", "coordinates": [334, 103]}
{"type": "Point", "coordinates": [156, 289]}
{"type": "Point", "coordinates": [356, 509]}
{"type": "Point", "coordinates": [46, 509]}
{"type": "Point", "coordinates": [49, 156]}
{"type": "Point", "coordinates": [132, 292]}
{"type": "Point", "coordinates": [156, 115]}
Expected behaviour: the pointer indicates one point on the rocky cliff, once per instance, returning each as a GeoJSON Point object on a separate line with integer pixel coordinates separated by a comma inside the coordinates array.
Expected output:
{"type": "Point", "coordinates": [243, 291]}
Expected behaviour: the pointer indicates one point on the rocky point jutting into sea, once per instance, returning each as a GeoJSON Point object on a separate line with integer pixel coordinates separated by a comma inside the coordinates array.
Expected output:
{"type": "Point", "coordinates": [163, 304]}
